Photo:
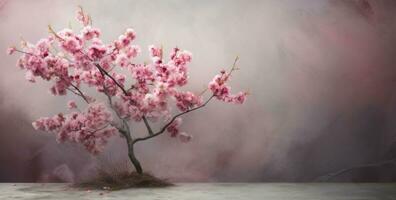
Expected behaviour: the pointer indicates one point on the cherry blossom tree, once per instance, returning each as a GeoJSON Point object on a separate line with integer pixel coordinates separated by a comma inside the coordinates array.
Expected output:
{"type": "Point", "coordinates": [74, 61]}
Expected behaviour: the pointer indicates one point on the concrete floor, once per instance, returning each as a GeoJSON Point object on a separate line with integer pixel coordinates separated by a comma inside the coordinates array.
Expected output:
{"type": "Point", "coordinates": [207, 191]}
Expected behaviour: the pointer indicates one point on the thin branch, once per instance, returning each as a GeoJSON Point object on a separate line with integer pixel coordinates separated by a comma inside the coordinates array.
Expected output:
{"type": "Point", "coordinates": [124, 130]}
{"type": "Point", "coordinates": [150, 131]}
{"type": "Point", "coordinates": [51, 30]}
{"type": "Point", "coordinates": [80, 93]}
{"type": "Point", "coordinates": [112, 51]}
{"type": "Point", "coordinates": [20, 51]}
{"type": "Point", "coordinates": [112, 78]}
{"type": "Point", "coordinates": [73, 91]}
{"type": "Point", "coordinates": [171, 121]}
{"type": "Point", "coordinates": [233, 68]}
{"type": "Point", "coordinates": [98, 129]}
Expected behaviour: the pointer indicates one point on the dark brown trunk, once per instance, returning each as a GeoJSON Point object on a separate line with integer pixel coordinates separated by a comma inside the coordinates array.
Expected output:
{"type": "Point", "coordinates": [131, 154]}
{"type": "Point", "coordinates": [134, 160]}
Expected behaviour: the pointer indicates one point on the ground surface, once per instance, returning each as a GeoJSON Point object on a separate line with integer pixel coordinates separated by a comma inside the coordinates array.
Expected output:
{"type": "Point", "coordinates": [208, 191]}
{"type": "Point", "coordinates": [111, 181]}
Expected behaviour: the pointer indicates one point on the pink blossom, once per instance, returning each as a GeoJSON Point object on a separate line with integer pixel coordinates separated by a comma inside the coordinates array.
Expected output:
{"type": "Point", "coordinates": [130, 33]}
{"type": "Point", "coordinates": [124, 40]}
{"type": "Point", "coordinates": [122, 60]}
{"type": "Point", "coordinates": [155, 54]}
{"type": "Point", "coordinates": [60, 87]}
{"type": "Point", "coordinates": [222, 92]}
{"type": "Point", "coordinates": [11, 50]}
{"type": "Point", "coordinates": [97, 50]}
{"type": "Point", "coordinates": [71, 44]}
{"type": "Point", "coordinates": [106, 62]}
{"type": "Point", "coordinates": [49, 124]}
{"type": "Point", "coordinates": [173, 128]}
{"type": "Point", "coordinates": [71, 105]}
{"type": "Point", "coordinates": [91, 128]}
{"type": "Point", "coordinates": [43, 46]}
{"type": "Point", "coordinates": [142, 73]}
{"type": "Point", "coordinates": [88, 33]}
{"type": "Point", "coordinates": [187, 100]}
{"type": "Point", "coordinates": [132, 51]}
{"type": "Point", "coordinates": [182, 57]}
{"type": "Point", "coordinates": [239, 98]}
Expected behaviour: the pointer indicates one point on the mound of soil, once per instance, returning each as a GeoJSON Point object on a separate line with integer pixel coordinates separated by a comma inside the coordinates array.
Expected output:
{"type": "Point", "coordinates": [107, 181]}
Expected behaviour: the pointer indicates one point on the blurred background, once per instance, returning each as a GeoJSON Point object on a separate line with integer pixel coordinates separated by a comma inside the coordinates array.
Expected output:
{"type": "Point", "coordinates": [321, 74]}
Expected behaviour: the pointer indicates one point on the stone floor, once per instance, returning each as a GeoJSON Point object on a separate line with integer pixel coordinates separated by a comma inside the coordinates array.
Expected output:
{"type": "Point", "coordinates": [207, 191]}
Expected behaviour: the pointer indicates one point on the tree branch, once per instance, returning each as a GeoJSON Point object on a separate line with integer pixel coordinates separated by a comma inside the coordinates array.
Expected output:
{"type": "Point", "coordinates": [80, 93]}
{"type": "Point", "coordinates": [20, 51]}
{"type": "Point", "coordinates": [112, 78]}
{"type": "Point", "coordinates": [150, 131]}
{"type": "Point", "coordinates": [170, 122]}
{"type": "Point", "coordinates": [124, 130]}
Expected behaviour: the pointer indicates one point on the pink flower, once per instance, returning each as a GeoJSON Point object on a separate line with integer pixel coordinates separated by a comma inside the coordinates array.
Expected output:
{"type": "Point", "coordinates": [43, 46]}
{"type": "Point", "coordinates": [187, 100]}
{"type": "Point", "coordinates": [154, 51]}
{"type": "Point", "coordinates": [11, 50]}
{"type": "Point", "coordinates": [88, 33]}
{"type": "Point", "coordinates": [173, 128]}
{"type": "Point", "coordinates": [240, 98]}
{"type": "Point", "coordinates": [130, 33]}
{"type": "Point", "coordinates": [185, 56]}
{"type": "Point", "coordinates": [60, 87]}
{"type": "Point", "coordinates": [122, 60]}
{"type": "Point", "coordinates": [155, 54]}
{"type": "Point", "coordinates": [71, 44]}
{"type": "Point", "coordinates": [124, 40]}
{"type": "Point", "coordinates": [142, 73]}
{"type": "Point", "coordinates": [71, 105]}
{"type": "Point", "coordinates": [97, 50]}
{"type": "Point", "coordinates": [222, 92]}
{"type": "Point", "coordinates": [49, 124]}
{"type": "Point", "coordinates": [132, 51]}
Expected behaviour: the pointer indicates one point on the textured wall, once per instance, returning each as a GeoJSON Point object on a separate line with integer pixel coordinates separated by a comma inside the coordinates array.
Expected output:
{"type": "Point", "coordinates": [321, 73]}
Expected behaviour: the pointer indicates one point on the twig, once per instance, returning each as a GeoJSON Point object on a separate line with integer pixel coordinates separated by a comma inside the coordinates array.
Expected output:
{"type": "Point", "coordinates": [112, 78]}
{"type": "Point", "coordinates": [171, 121]}
{"type": "Point", "coordinates": [80, 93]}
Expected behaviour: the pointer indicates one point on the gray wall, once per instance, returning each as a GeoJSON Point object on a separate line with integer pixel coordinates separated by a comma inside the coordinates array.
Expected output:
{"type": "Point", "coordinates": [321, 76]}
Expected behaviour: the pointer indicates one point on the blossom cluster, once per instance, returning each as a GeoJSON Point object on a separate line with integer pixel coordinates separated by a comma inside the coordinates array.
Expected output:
{"type": "Point", "coordinates": [70, 59]}
{"type": "Point", "coordinates": [222, 92]}
{"type": "Point", "coordinates": [92, 128]}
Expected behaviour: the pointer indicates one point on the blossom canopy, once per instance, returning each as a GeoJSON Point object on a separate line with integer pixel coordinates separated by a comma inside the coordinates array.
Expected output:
{"type": "Point", "coordinates": [139, 92]}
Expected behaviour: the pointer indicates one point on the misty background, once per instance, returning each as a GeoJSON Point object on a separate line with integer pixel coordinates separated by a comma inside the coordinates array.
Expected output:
{"type": "Point", "coordinates": [321, 74]}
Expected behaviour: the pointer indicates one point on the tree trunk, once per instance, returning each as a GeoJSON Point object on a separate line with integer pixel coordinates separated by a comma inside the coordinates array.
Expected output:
{"type": "Point", "coordinates": [133, 159]}
{"type": "Point", "coordinates": [131, 154]}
